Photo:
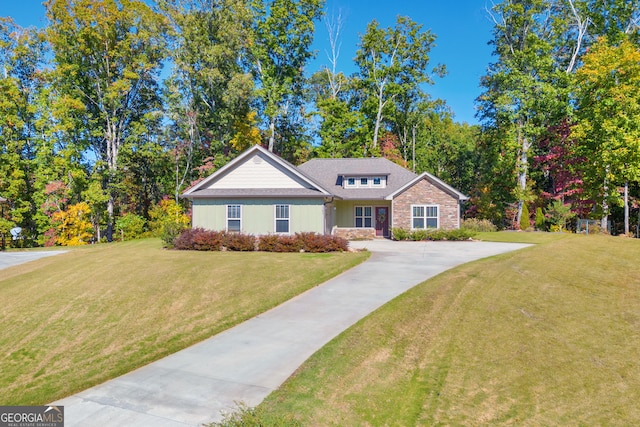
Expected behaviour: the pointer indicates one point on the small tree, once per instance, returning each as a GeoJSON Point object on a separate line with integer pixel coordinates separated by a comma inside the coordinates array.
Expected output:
{"type": "Point", "coordinates": [524, 218]}
{"type": "Point", "coordinates": [540, 219]}
{"type": "Point", "coordinates": [559, 214]}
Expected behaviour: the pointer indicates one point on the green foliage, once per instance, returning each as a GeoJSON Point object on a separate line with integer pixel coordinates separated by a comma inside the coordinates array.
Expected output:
{"type": "Point", "coordinates": [558, 214]}
{"type": "Point", "coordinates": [540, 219]}
{"type": "Point", "coordinates": [525, 221]}
{"type": "Point", "coordinates": [130, 226]}
{"type": "Point", "coordinates": [166, 218]}
{"type": "Point", "coordinates": [434, 234]}
{"type": "Point", "coordinates": [398, 233]}
{"type": "Point", "coordinates": [478, 225]}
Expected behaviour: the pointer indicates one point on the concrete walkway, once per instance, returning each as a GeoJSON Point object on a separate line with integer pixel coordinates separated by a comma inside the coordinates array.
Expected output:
{"type": "Point", "coordinates": [247, 362]}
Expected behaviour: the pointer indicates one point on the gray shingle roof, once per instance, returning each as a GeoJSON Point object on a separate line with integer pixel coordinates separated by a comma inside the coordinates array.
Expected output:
{"type": "Point", "coordinates": [328, 173]}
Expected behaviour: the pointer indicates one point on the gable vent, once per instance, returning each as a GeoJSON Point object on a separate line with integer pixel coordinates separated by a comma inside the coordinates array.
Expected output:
{"type": "Point", "coordinates": [257, 160]}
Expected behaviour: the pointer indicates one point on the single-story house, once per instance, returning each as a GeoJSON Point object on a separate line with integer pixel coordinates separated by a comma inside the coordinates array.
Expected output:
{"type": "Point", "coordinates": [260, 193]}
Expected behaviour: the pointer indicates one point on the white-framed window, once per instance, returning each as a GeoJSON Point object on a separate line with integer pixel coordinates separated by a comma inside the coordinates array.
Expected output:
{"type": "Point", "coordinates": [282, 218]}
{"type": "Point", "coordinates": [363, 216]}
{"type": "Point", "coordinates": [364, 182]}
{"type": "Point", "coordinates": [234, 218]}
{"type": "Point", "coordinates": [424, 216]}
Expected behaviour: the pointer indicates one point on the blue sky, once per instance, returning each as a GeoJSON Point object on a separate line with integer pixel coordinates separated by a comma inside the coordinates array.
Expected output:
{"type": "Point", "coordinates": [462, 28]}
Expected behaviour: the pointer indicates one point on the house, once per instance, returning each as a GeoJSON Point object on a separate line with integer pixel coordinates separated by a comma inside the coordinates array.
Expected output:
{"type": "Point", "coordinates": [260, 193]}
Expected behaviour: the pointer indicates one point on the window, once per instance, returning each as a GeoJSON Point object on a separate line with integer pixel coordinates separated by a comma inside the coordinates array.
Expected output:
{"type": "Point", "coordinates": [282, 218]}
{"type": "Point", "coordinates": [424, 217]}
{"type": "Point", "coordinates": [364, 182]}
{"type": "Point", "coordinates": [234, 215]}
{"type": "Point", "coordinates": [364, 216]}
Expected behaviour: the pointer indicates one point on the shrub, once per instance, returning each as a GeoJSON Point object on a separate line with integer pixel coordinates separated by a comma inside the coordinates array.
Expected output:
{"type": "Point", "coordinates": [199, 239]}
{"type": "Point", "coordinates": [268, 242]}
{"type": "Point", "coordinates": [399, 233]}
{"type": "Point", "coordinates": [457, 235]}
{"type": "Point", "coordinates": [418, 235]}
{"type": "Point", "coordinates": [239, 242]}
{"type": "Point", "coordinates": [130, 226]}
{"type": "Point", "coordinates": [540, 219]}
{"type": "Point", "coordinates": [287, 244]}
{"type": "Point", "coordinates": [525, 223]}
{"type": "Point", "coordinates": [313, 242]}
{"type": "Point", "coordinates": [478, 225]}
{"type": "Point", "coordinates": [170, 233]}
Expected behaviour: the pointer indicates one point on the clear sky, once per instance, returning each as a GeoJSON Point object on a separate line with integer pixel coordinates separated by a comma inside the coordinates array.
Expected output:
{"type": "Point", "coordinates": [462, 28]}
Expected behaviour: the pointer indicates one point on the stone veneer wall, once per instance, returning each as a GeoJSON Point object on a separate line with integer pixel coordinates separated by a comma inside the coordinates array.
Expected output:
{"type": "Point", "coordinates": [355, 233]}
{"type": "Point", "coordinates": [425, 193]}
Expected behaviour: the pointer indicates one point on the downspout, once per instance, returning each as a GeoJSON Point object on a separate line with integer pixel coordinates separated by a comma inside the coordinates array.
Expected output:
{"type": "Point", "coordinates": [326, 202]}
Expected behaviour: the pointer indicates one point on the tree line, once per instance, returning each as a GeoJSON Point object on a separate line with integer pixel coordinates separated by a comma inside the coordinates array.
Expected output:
{"type": "Point", "coordinates": [115, 107]}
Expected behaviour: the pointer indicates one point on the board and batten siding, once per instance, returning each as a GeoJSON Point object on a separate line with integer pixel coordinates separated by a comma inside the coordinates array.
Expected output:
{"type": "Point", "coordinates": [258, 215]}
{"type": "Point", "coordinates": [258, 172]}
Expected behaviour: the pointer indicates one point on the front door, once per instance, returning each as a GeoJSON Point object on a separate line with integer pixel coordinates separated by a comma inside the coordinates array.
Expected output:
{"type": "Point", "coordinates": [382, 221]}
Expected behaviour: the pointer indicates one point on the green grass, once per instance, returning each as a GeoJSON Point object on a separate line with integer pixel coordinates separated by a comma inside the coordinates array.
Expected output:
{"type": "Point", "coordinates": [548, 335]}
{"type": "Point", "coordinates": [80, 318]}
{"type": "Point", "coordinates": [535, 237]}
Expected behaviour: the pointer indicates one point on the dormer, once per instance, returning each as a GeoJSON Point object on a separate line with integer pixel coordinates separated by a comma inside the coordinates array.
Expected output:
{"type": "Point", "coordinates": [364, 181]}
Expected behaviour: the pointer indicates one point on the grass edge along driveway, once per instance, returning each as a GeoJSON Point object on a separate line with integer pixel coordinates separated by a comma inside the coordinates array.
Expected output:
{"type": "Point", "coordinates": [78, 319]}
{"type": "Point", "coordinates": [548, 335]}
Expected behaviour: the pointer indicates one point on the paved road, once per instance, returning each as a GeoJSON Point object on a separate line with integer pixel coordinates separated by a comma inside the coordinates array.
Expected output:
{"type": "Point", "coordinates": [9, 259]}
{"type": "Point", "coordinates": [247, 362]}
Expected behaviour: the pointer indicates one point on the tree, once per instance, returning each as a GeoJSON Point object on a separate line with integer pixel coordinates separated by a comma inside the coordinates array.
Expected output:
{"type": "Point", "coordinates": [209, 92]}
{"type": "Point", "coordinates": [393, 63]}
{"type": "Point", "coordinates": [108, 54]}
{"type": "Point", "coordinates": [608, 120]}
{"type": "Point", "coordinates": [522, 94]}
{"type": "Point", "coordinates": [284, 31]}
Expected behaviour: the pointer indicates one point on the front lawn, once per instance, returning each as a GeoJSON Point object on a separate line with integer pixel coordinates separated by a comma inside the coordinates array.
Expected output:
{"type": "Point", "coordinates": [77, 319]}
{"type": "Point", "coordinates": [548, 335]}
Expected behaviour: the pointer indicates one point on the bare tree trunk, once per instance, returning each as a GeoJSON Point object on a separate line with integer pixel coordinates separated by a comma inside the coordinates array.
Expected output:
{"type": "Point", "coordinates": [272, 135]}
{"type": "Point", "coordinates": [522, 169]}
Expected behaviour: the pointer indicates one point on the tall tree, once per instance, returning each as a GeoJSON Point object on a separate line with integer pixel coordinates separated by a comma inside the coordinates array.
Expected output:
{"type": "Point", "coordinates": [209, 92]}
{"type": "Point", "coordinates": [393, 62]}
{"type": "Point", "coordinates": [284, 31]}
{"type": "Point", "coordinates": [608, 115]}
{"type": "Point", "coordinates": [25, 162]}
{"type": "Point", "coordinates": [521, 97]}
{"type": "Point", "coordinates": [108, 54]}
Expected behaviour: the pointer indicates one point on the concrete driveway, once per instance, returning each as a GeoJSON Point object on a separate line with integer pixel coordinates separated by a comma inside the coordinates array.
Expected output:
{"type": "Point", "coordinates": [9, 259]}
{"type": "Point", "coordinates": [247, 362]}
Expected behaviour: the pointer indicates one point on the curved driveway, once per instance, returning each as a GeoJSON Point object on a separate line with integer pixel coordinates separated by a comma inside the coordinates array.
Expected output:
{"type": "Point", "coordinates": [247, 362]}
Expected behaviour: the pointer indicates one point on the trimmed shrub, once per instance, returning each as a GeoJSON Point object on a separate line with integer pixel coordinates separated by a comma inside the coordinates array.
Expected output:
{"type": "Point", "coordinates": [540, 219]}
{"type": "Point", "coordinates": [287, 243]}
{"type": "Point", "coordinates": [478, 225]}
{"type": "Point", "coordinates": [314, 242]}
{"type": "Point", "coordinates": [399, 233]}
{"type": "Point", "coordinates": [268, 242]}
{"type": "Point", "coordinates": [199, 239]}
{"type": "Point", "coordinates": [457, 235]}
{"type": "Point", "coordinates": [170, 233]}
{"type": "Point", "coordinates": [417, 235]}
{"type": "Point", "coordinates": [239, 242]}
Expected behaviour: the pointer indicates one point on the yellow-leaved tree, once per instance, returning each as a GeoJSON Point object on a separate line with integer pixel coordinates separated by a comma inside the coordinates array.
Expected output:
{"type": "Point", "coordinates": [73, 225]}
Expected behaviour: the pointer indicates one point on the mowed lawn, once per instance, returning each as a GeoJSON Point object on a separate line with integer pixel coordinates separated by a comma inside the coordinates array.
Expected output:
{"type": "Point", "coordinates": [77, 319]}
{"type": "Point", "coordinates": [548, 335]}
